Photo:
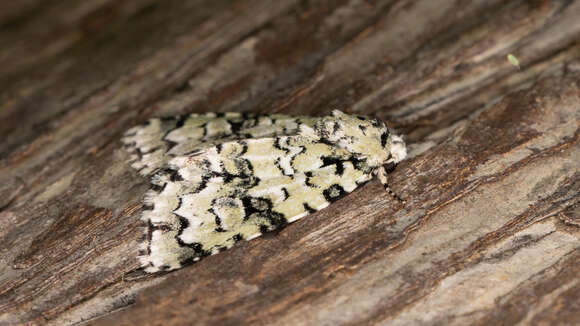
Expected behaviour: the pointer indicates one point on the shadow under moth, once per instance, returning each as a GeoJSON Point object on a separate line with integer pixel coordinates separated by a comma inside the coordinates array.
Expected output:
{"type": "Point", "coordinates": [218, 178]}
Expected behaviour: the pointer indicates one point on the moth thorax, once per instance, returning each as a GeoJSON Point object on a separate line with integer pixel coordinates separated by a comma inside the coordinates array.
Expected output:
{"type": "Point", "coordinates": [397, 148]}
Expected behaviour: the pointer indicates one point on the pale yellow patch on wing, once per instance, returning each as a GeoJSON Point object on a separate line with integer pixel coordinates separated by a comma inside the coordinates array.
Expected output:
{"type": "Point", "coordinates": [263, 156]}
{"type": "Point", "coordinates": [271, 188]}
{"type": "Point", "coordinates": [309, 158]}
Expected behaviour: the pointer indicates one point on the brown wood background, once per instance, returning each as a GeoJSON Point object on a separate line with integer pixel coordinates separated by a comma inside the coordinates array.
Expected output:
{"type": "Point", "coordinates": [490, 231]}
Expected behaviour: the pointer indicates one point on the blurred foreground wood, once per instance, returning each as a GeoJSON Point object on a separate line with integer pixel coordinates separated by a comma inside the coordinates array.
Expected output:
{"type": "Point", "coordinates": [490, 231]}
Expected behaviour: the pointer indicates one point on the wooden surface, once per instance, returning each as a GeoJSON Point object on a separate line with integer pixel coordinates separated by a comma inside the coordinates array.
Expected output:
{"type": "Point", "coordinates": [490, 231]}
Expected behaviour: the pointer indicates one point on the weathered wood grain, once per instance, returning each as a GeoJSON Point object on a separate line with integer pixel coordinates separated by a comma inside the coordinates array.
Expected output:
{"type": "Point", "coordinates": [489, 233]}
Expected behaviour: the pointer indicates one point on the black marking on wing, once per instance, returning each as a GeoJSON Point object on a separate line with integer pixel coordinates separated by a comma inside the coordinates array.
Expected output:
{"type": "Point", "coordinates": [244, 148]}
{"type": "Point", "coordinates": [286, 193]}
{"type": "Point", "coordinates": [196, 246]}
{"type": "Point", "coordinates": [193, 152]}
{"type": "Point", "coordinates": [158, 188]}
{"type": "Point", "coordinates": [218, 220]}
{"type": "Point", "coordinates": [160, 227]}
{"type": "Point", "coordinates": [335, 127]}
{"type": "Point", "coordinates": [139, 153]}
{"type": "Point", "coordinates": [302, 149]}
{"type": "Point", "coordinates": [307, 182]}
{"type": "Point", "coordinates": [249, 208]}
{"type": "Point", "coordinates": [278, 145]}
{"type": "Point", "coordinates": [205, 131]}
{"type": "Point", "coordinates": [308, 208]}
{"type": "Point", "coordinates": [277, 223]}
{"type": "Point", "coordinates": [189, 260]}
{"type": "Point", "coordinates": [278, 166]}
{"type": "Point", "coordinates": [249, 166]}
{"type": "Point", "coordinates": [149, 236]}
{"type": "Point", "coordinates": [141, 168]}
{"type": "Point", "coordinates": [164, 268]}
{"type": "Point", "coordinates": [336, 161]}
{"type": "Point", "coordinates": [173, 175]}
{"type": "Point", "coordinates": [363, 129]}
{"type": "Point", "coordinates": [262, 207]}
{"type": "Point", "coordinates": [178, 124]}
{"type": "Point", "coordinates": [183, 223]}
{"type": "Point", "coordinates": [181, 120]}
{"type": "Point", "coordinates": [384, 137]}
{"type": "Point", "coordinates": [241, 123]}
{"type": "Point", "coordinates": [178, 205]}
{"type": "Point", "coordinates": [360, 164]}
{"type": "Point", "coordinates": [249, 182]}
{"type": "Point", "coordinates": [333, 192]}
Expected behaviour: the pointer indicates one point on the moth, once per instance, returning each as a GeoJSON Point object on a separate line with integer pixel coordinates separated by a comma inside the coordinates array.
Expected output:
{"type": "Point", "coordinates": [218, 178]}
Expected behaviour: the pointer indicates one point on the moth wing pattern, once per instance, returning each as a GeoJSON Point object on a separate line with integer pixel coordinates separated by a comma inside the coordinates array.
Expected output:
{"type": "Point", "coordinates": [206, 202]}
{"type": "Point", "coordinates": [152, 145]}
{"type": "Point", "coordinates": [221, 178]}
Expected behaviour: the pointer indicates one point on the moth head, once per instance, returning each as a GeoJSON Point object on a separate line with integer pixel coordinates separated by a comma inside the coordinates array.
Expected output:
{"type": "Point", "coordinates": [367, 138]}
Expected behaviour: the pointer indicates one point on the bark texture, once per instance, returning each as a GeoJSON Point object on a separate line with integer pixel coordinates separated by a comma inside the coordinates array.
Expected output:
{"type": "Point", "coordinates": [490, 232]}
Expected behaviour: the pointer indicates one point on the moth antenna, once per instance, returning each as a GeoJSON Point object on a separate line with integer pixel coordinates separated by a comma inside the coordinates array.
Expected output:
{"type": "Point", "coordinates": [383, 178]}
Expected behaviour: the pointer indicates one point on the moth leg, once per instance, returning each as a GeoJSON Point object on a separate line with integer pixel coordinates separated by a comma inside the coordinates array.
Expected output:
{"type": "Point", "coordinates": [381, 173]}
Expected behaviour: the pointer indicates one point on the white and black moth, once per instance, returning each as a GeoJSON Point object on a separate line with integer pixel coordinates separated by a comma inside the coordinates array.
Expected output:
{"type": "Point", "coordinates": [219, 178]}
